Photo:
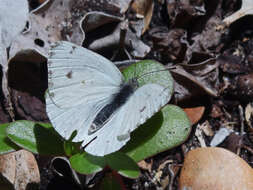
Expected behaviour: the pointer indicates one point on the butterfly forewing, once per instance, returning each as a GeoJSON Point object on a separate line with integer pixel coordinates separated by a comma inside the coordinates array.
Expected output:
{"type": "Point", "coordinates": [80, 84]}
{"type": "Point", "coordinates": [77, 75]}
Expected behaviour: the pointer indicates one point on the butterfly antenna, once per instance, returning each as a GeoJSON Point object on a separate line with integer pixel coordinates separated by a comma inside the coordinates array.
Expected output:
{"type": "Point", "coordinates": [153, 72]}
{"type": "Point", "coordinates": [135, 72]}
{"type": "Point", "coordinates": [89, 142]}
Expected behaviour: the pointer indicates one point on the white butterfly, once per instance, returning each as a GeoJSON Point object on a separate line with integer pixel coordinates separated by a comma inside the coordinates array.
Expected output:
{"type": "Point", "coordinates": [87, 93]}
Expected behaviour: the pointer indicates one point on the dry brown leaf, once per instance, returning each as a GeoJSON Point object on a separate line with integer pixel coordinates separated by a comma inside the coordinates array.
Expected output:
{"type": "Point", "coordinates": [58, 20]}
{"type": "Point", "coordinates": [103, 32]}
{"type": "Point", "coordinates": [7, 169]}
{"type": "Point", "coordinates": [27, 171]}
{"type": "Point", "coordinates": [48, 24]}
{"type": "Point", "coordinates": [170, 44]}
{"type": "Point", "coordinates": [182, 12]}
{"type": "Point", "coordinates": [10, 26]}
{"type": "Point", "coordinates": [245, 85]}
{"type": "Point", "coordinates": [194, 114]}
{"type": "Point", "coordinates": [19, 170]}
{"type": "Point", "coordinates": [215, 168]}
{"type": "Point", "coordinates": [160, 176]}
{"type": "Point", "coordinates": [249, 114]}
{"type": "Point", "coordinates": [144, 10]}
{"type": "Point", "coordinates": [145, 165]}
{"type": "Point", "coordinates": [196, 79]}
{"type": "Point", "coordinates": [203, 43]}
{"type": "Point", "coordinates": [200, 136]}
{"type": "Point", "coordinates": [206, 128]}
{"type": "Point", "coordinates": [121, 4]}
{"type": "Point", "coordinates": [27, 82]}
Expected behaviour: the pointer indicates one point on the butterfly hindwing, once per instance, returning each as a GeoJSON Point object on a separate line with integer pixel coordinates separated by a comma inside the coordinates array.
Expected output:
{"type": "Point", "coordinates": [143, 103]}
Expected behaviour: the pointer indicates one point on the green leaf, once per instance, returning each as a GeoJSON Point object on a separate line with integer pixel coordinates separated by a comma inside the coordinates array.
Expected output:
{"type": "Point", "coordinates": [36, 137]}
{"type": "Point", "coordinates": [85, 163]}
{"type": "Point", "coordinates": [165, 130]}
{"type": "Point", "coordinates": [123, 164]}
{"type": "Point", "coordinates": [149, 71]}
{"type": "Point", "coordinates": [6, 145]}
{"type": "Point", "coordinates": [72, 148]}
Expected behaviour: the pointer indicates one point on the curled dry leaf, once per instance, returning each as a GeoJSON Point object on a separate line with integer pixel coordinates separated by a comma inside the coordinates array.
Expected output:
{"type": "Point", "coordinates": [246, 9]}
{"type": "Point", "coordinates": [48, 24]}
{"type": "Point", "coordinates": [171, 44]}
{"type": "Point", "coordinates": [144, 10]}
{"type": "Point", "coordinates": [101, 27]}
{"type": "Point", "coordinates": [108, 31]}
{"type": "Point", "coordinates": [58, 20]}
{"type": "Point", "coordinates": [205, 42]}
{"type": "Point", "coordinates": [206, 128]}
{"type": "Point", "coordinates": [183, 11]}
{"type": "Point", "coordinates": [10, 26]}
{"type": "Point", "coordinates": [194, 114]}
{"type": "Point", "coordinates": [195, 79]}
{"type": "Point", "coordinates": [215, 168]}
{"type": "Point", "coordinates": [61, 167]}
{"type": "Point", "coordinates": [19, 170]}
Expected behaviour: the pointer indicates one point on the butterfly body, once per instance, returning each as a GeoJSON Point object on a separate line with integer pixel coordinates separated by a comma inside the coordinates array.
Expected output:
{"type": "Point", "coordinates": [87, 94]}
{"type": "Point", "coordinates": [126, 90]}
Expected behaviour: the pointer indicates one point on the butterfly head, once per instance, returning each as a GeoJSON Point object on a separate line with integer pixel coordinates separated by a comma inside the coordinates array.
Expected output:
{"type": "Point", "coordinates": [133, 82]}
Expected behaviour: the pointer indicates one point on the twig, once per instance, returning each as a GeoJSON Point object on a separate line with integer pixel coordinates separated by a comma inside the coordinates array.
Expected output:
{"type": "Point", "coordinates": [5, 88]}
{"type": "Point", "coordinates": [242, 132]}
{"type": "Point", "coordinates": [242, 127]}
{"type": "Point", "coordinates": [173, 175]}
{"type": "Point", "coordinates": [125, 63]}
{"type": "Point", "coordinates": [247, 148]}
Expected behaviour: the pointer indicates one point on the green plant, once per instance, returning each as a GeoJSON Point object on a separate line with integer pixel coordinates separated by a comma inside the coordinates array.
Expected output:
{"type": "Point", "coordinates": [165, 130]}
